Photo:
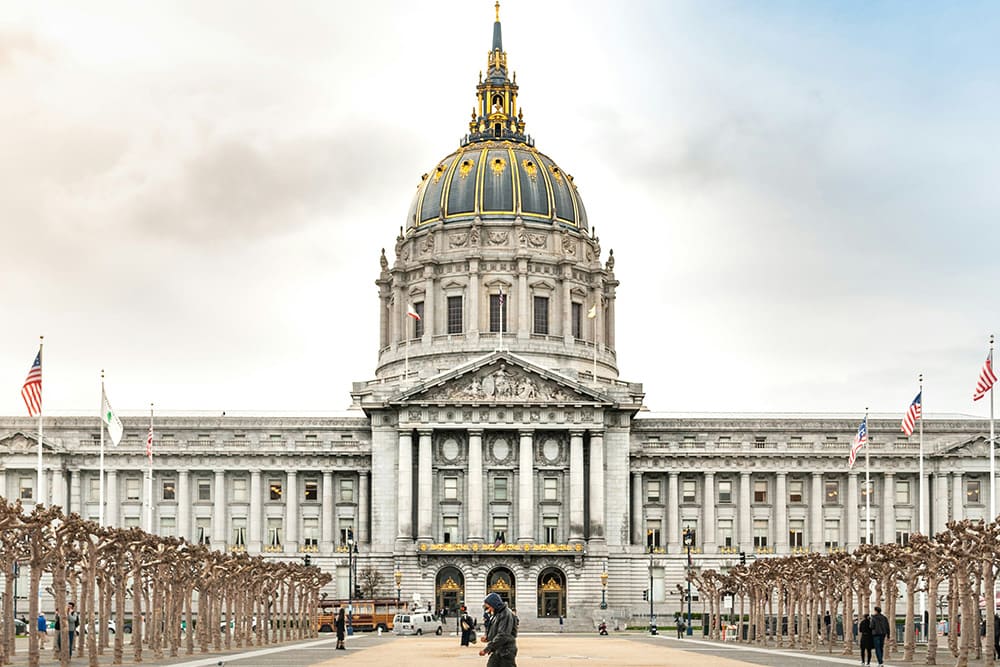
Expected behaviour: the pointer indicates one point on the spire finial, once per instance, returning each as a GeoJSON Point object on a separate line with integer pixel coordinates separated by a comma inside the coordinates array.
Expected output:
{"type": "Point", "coordinates": [497, 6]}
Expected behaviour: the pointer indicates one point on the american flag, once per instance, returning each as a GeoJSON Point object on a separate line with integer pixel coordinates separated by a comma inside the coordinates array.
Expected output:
{"type": "Point", "coordinates": [859, 441]}
{"type": "Point", "coordinates": [913, 413]}
{"type": "Point", "coordinates": [986, 378]}
{"type": "Point", "coordinates": [31, 392]}
{"type": "Point", "coordinates": [149, 444]}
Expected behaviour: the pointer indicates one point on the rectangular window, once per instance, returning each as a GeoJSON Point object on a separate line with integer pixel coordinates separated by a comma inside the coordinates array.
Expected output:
{"type": "Point", "coordinates": [310, 533]}
{"type": "Point", "coordinates": [168, 490]}
{"type": "Point", "coordinates": [550, 525]}
{"type": "Point", "coordinates": [760, 491]}
{"type": "Point", "coordinates": [870, 539]}
{"type": "Point", "coordinates": [972, 489]}
{"type": "Point", "coordinates": [274, 533]}
{"type": "Point", "coordinates": [204, 489]}
{"type": "Point", "coordinates": [239, 532]}
{"type": "Point", "coordinates": [498, 312]}
{"type": "Point", "coordinates": [168, 525]}
{"type": "Point", "coordinates": [866, 491]}
{"type": "Point", "coordinates": [902, 492]}
{"type": "Point", "coordinates": [499, 529]}
{"type": "Point", "coordinates": [418, 322]}
{"type": "Point", "coordinates": [131, 522]}
{"type": "Point", "coordinates": [541, 314]}
{"type": "Point", "coordinates": [550, 488]}
{"type": "Point", "coordinates": [454, 314]}
{"type": "Point", "coordinates": [94, 488]}
{"type": "Point", "coordinates": [902, 531]}
{"type": "Point", "coordinates": [133, 487]}
{"type": "Point", "coordinates": [203, 530]}
{"type": "Point", "coordinates": [688, 489]}
{"type": "Point", "coordinates": [346, 490]}
{"type": "Point", "coordinates": [240, 493]}
{"type": "Point", "coordinates": [653, 527]}
{"type": "Point", "coordinates": [725, 491]}
{"type": "Point", "coordinates": [831, 491]}
{"type": "Point", "coordinates": [449, 525]}
{"type": "Point", "coordinates": [726, 533]}
{"type": "Point", "coordinates": [652, 491]}
{"type": "Point", "coordinates": [795, 490]}
{"type": "Point", "coordinates": [760, 533]}
{"type": "Point", "coordinates": [576, 318]}
{"type": "Point", "coordinates": [451, 488]}
{"type": "Point", "coordinates": [500, 488]}
{"type": "Point", "coordinates": [312, 490]}
{"type": "Point", "coordinates": [346, 531]}
{"type": "Point", "coordinates": [796, 528]}
{"type": "Point", "coordinates": [831, 533]}
{"type": "Point", "coordinates": [27, 488]}
{"type": "Point", "coordinates": [275, 489]}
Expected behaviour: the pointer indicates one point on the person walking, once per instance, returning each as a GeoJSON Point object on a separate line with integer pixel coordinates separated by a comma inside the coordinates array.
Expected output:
{"type": "Point", "coordinates": [880, 629]}
{"type": "Point", "coordinates": [43, 630]}
{"type": "Point", "coordinates": [865, 639]}
{"type": "Point", "coordinates": [996, 636]}
{"type": "Point", "coordinates": [341, 625]}
{"type": "Point", "coordinates": [72, 620]}
{"type": "Point", "coordinates": [501, 637]}
{"type": "Point", "coordinates": [468, 625]}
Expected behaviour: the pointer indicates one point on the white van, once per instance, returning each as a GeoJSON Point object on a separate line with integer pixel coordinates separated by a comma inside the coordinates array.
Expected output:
{"type": "Point", "coordinates": [416, 623]}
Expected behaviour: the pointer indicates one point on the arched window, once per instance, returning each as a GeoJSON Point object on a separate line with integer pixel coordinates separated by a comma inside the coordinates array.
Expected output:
{"type": "Point", "coordinates": [551, 593]}
{"type": "Point", "coordinates": [501, 581]}
{"type": "Point", "coordinates": [449, 589]}
{"type": "Point", "coordinates": [497, 130]}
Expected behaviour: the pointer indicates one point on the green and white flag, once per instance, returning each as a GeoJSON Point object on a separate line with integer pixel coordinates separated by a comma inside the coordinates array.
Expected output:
{"type": "Point", "coordinates": [115, 428]}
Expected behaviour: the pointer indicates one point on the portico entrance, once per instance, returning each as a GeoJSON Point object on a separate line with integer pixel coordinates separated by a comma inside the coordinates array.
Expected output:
{"type": "Point", "coordinates": [449, 590]}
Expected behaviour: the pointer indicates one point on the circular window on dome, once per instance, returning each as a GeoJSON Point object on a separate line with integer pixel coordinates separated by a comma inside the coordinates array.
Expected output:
{"type": "Point", "coordinates": [556, 173]}
{"type": "Point", "coordinates": [498, 165]}
{"type": "Point", "coordinates": [450, 449]}
{"type": "Point", "coordinates": [438, 173]}
{"type": "Point", "coordinates": [466, 167]}
{"type": "Point", "coordinates": [530, 169]}
{"type": "Point", "coordinates": [501, 449]}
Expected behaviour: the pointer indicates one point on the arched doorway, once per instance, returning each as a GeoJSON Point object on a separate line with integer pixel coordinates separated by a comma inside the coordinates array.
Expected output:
{"type": "Point", "coordinates": [551, 593]}
{"type": "Point", "coordinates": [501, 581]}
{"type": "Point", "coordinates": [449, 590]}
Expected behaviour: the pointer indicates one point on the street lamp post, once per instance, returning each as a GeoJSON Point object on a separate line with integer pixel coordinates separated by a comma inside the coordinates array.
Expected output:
{"type": "Point", "coordinates": [604, 586]}
{"type": "Point", "coordinates": [351, 550]}
{"type": "Point", "coordinates": [688, 543]}
{"type": "Point", "coordinates": [399, 580]}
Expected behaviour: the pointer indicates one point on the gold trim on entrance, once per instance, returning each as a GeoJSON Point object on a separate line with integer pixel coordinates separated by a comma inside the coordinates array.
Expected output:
{"type": "Point", "coordinates": [449, 585]}
{"type": "Point", "coordinates": [551, 585]}
{"type": "Point", "coordinates": [500, 585]}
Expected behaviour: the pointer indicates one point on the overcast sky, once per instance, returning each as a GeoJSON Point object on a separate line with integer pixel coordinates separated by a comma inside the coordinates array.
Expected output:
{"type": "Point", "coordinates": [802, 197]}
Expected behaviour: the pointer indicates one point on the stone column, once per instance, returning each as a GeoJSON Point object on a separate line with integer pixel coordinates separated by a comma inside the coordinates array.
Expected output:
{"type": "Point", "coordinates": [940, 514]}
{"type": "Point", "coordinates": [673, 540]}
{"type": "Point", "coordinates": [957, 497]}
{"type": "Point", "coordinates": [523, 298]}
{"type": "Point", "coordinates": [474, 499]}
{"type": "Point", "coordinates": [526, 488]}
{"type": "Point", "coordinates": [638, 524]}
{"type": "Point", "coordinates": [74, 492]}
{"type": "Point", "coordinates": [397, 332]}
{"type": "Point", "coordinates": [183, 505]}
{"type": "Point", "coordinates": [780, 513]}
{"type": "Point", "coordinates": [404, 518]}
{"type": "Point", "coordinates": [708, 509]}
{"type": "Point", "coordinates": [473, 299]}
{"type": "Point", "coordinates": [256, 511]}
{"type": "Point", "coordinates": [746, 536]}
{"type": "Point", "coordinates": [816, 513]}
{"type": "Point", "coordinates": [219, 512]}
{"type": "Point", "coordinates": [567, 303]}
{"type": "Point", "coordinates": [326, 515]}
{"type": "Point", "coordinates": [430, 316]}
{"type": "Point", "coordinates": [425, 488]}
{"type": "Point", "coordinates": [575, 484]}
{"type": "Point", "coordinates": [113, 502]}
{"type": "Point", "coordinates": [853, 522]}
{"type": "Point", "coordinates": [58, 487]}
{"type": "Point", "coordinates": [888, 507]}
{"type": "Point", "coordinates": [363, 508]}
{"type": "Point", "coordinates": [291, 512]}
{"type": "Point", "coordinates": [3, 486]}
{"type": "Point", "coordinates": [597, 485]}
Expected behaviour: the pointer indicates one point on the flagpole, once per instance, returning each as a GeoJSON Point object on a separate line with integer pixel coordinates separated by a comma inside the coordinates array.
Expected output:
{"type": "Point", "coordinates": [868, 485]}
{"type": "Point", "coordinates": [100, 485]}
{"type": "Point", "coordinates": [41, 408]}
{"type": "Point", "coordinates": [993, 464]}
{"type": "Point", "coordinates": [149, 480]}
{"type": "Point", "coordinates": [924, 529]}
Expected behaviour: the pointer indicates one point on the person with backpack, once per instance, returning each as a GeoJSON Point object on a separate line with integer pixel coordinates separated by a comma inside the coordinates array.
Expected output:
{"type": "Point", "coordinates": [468, 627]}
{"type": "Point", "coordinates": [501, 637]}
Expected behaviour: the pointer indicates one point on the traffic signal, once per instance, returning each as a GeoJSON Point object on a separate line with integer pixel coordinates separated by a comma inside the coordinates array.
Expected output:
{"type": "Point", "coordinates": [645, 593]}
{"type": "Point", "coordinates": [743, 558]}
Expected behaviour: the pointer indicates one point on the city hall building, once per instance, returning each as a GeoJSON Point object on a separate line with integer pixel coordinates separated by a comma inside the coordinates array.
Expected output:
{"type": "Point", "coordinates": [496, 448]}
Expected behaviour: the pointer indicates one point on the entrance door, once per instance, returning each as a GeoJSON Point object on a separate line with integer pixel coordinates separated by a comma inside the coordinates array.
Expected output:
{"type": "Point", "coordinates": [449, 590]}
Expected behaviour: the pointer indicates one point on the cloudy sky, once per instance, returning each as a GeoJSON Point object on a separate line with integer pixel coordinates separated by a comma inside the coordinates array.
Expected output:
{"type": "Point", "coordinates": [802, 198]}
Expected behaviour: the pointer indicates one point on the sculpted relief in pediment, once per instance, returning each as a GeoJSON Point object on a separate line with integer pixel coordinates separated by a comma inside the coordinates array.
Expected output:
{"type": "Point", "coordinates": [18, 443]}
{"type": "Point", "coordinates": [500, 383]}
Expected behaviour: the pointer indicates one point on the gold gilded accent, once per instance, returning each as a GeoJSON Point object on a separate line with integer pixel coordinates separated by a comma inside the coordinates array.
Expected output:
{"type": "Point", "coordinates": [450, 585]}
{"type": "Point", "coordinates": [551, 585]}
{"type": "Point", "coordinates": [498, 10]}
{"type": "Point", "coordinates": [438, 172]}
{"type": "Point", "coordinates": [556, 174]}
{"type": "Point", "coordinates": [498, 165]}
{"type": "Point", "coordinates": [500, 585]}
{"type": "Point", "coordinates": [466, 167]}
{"type": "Point", "coordinates": [530, 168]}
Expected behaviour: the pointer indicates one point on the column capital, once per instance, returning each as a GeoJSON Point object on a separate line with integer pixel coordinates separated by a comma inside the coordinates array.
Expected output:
{"type": "Point", "coordinates": [888, 474]}
{"type": "Point", "coordinates": [817, 475]}
{"type": "Point", "coordinates": [744, 474]}
{"type": "Point", "coordinates": [291, 473]}
{"type": "Point", "coordinates": [425, 432]}
{"type": "Point", "coordinates": [711, 473]}
{"type": "Point", "coordinates": [852, 473]}
{"type": "Point", "coordinates": [327, 474]}
{"type": "Point", "coordinates": [674, 473]}
{"type": "Point", "coordinates": [781, 473]}
{"type": "Point", "coordinates": [477, 432]}
{"type": "Point", "coordinates": [255, 471]}
{"type": "Point", "coordinates": [576, 433]}
{"type": "Point", "coordinates": [526, 431]}
{"type": "Point", "coordinates": [219, 473]}
{"type": "Point", "coordinates": [596, 432]}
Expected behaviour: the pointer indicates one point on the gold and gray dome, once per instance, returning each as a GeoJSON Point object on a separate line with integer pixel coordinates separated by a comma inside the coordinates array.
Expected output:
{"type": "Point", "coordinates": [497, 172]}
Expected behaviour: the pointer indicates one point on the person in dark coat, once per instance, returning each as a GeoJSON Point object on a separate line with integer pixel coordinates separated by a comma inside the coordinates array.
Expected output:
{"type": "Point", "coordinates": [341, 625]}
{"type": "Point", "coordinates": [501, 637]}
{"type": "Point", "coordinates": [867, 643]}
{"type": "Point", "coordinates": [880, 630]}
{"type": "Point", "coordinates": [468, 625]}
{"type": "Point", "coordinates": [996, 635]}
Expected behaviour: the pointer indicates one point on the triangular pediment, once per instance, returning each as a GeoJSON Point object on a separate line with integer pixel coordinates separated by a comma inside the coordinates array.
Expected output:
{"type": "Point", "coordinates": [19, 442]}
{"type": "Point", "coordinates": [978, 447]}
{"type": "Point", "coordinates": [501, 377]}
